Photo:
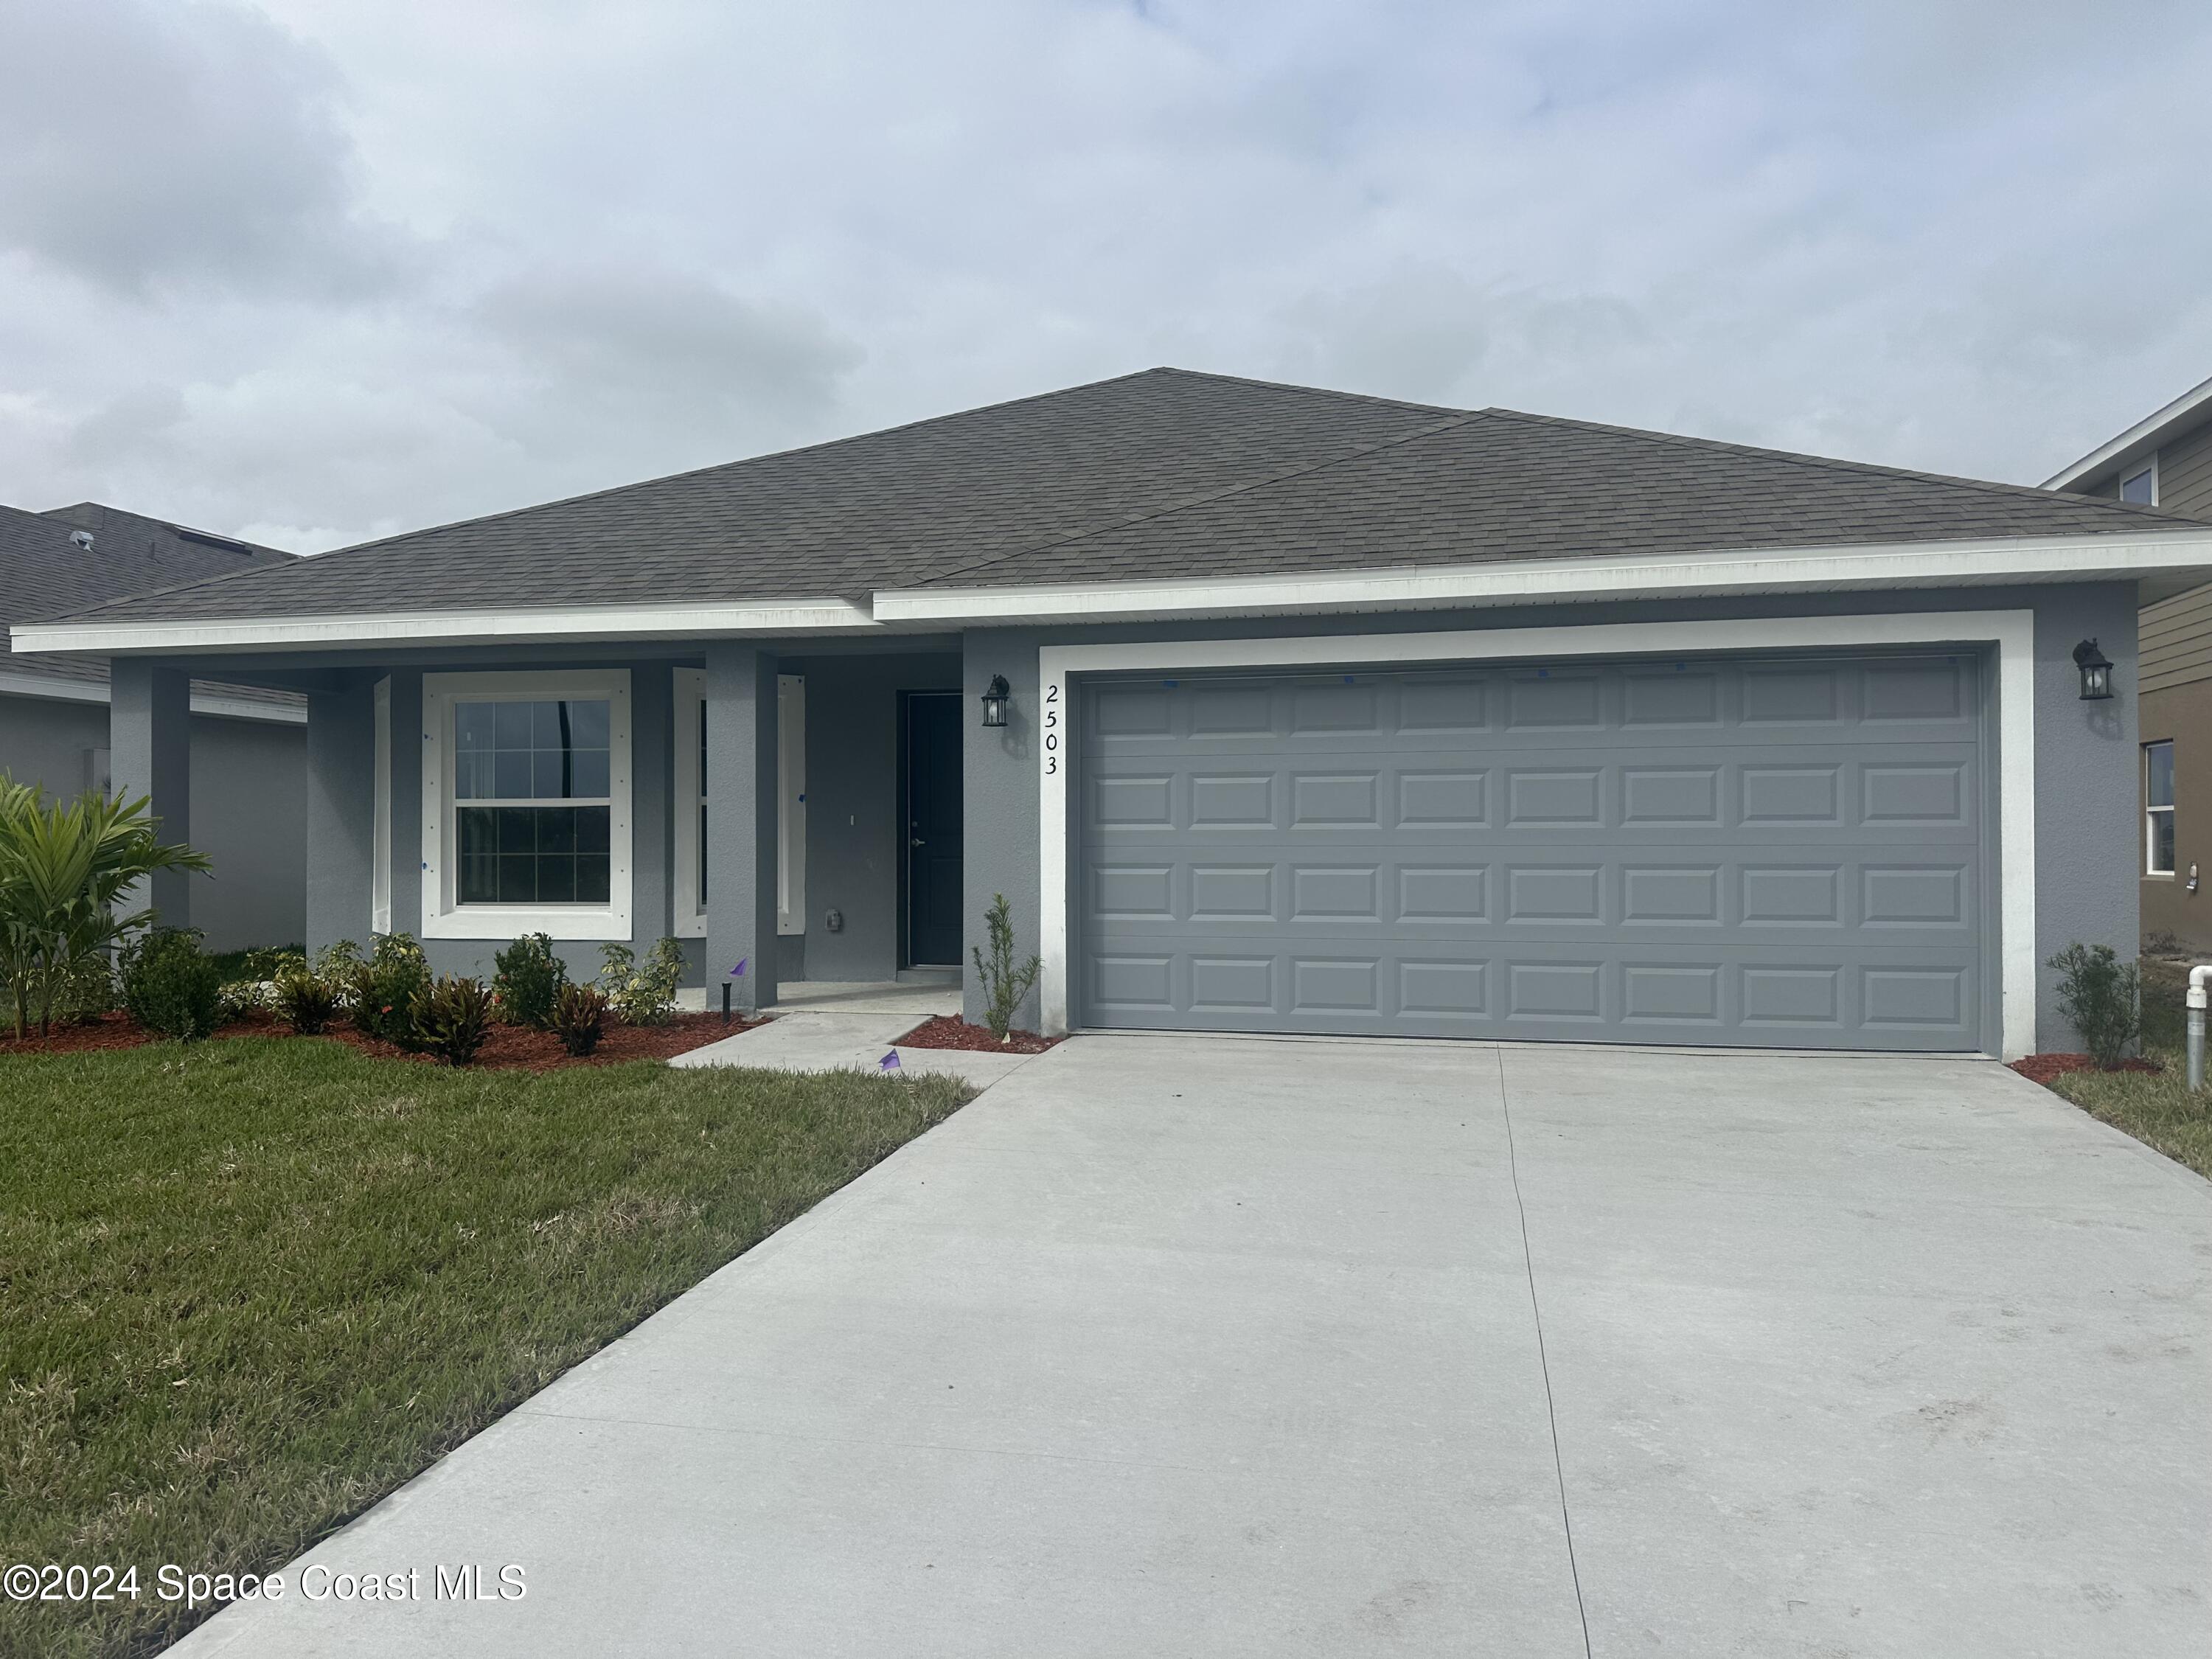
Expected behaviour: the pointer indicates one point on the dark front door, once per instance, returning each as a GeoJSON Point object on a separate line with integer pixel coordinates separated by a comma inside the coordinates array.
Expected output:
{"type": "Point", "coordinates": [932, 828]}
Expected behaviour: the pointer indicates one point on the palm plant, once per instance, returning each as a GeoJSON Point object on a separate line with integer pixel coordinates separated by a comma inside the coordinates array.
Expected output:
{"type": "Point", "coordinates": [63, 868]}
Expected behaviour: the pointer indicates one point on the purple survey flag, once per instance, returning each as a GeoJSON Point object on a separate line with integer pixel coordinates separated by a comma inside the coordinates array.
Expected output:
{"type": "Point", "coordinates": [739, 972]}
{"type": "Point", "coordinates": [889, 1062]}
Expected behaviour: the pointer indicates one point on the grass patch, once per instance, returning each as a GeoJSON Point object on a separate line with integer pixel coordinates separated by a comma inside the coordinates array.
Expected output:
{"type": "Point", "coordinates": [2155, 1107]}
{"type": "Point", "coordinates": [247, 1288]}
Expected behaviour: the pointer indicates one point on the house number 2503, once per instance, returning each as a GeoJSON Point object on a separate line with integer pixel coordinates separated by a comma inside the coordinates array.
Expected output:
{"type": "Point", "coordinates": [1051, 730]}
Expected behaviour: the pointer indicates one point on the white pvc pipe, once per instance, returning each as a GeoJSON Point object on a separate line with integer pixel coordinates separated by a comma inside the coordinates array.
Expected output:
{"type": "Point", "coordinates": [2196, 999]}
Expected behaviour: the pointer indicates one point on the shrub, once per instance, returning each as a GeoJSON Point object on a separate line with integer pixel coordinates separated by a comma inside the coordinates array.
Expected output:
{"type": "Point", "coordinates": [305, 1000]}
{"type": "Point", "coordinates": [383, 991]}
{"type": "Point", "coordinates": [86, 991]}
{"type": "Point", "coordinates": [643, 993]}
{"type": "Point", "coordinates": [62, 870]}
{"type": "Point", "coordinates": [579, 1017]}
{"type": "Point", "coordinates": [170, 985]}
{"type": "Point", "coordinates": [2101, 997]}
{"type": "Point", "coordinates": [451, 1018]}
{"type": "Point", "coordinates": [529, 976]}
{"type": "Point", "coordinates": [1004, 984]}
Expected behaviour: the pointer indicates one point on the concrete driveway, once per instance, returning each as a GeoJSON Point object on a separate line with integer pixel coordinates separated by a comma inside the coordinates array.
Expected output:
{"type": "Point", "coordinates": [1205, 1346]}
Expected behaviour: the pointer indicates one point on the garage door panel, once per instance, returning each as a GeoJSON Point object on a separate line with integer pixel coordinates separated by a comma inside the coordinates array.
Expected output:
{"type": "Point", "coordinates": [1786, 852]}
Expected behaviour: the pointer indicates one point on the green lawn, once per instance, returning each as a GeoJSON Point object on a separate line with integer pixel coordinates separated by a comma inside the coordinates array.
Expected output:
{"type": "Point", "coordinates": [2156, 1108]}
{"type": "Point", "coordinates": [248, 1287]}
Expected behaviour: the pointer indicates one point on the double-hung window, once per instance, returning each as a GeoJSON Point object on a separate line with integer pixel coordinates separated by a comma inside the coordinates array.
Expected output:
{"type": "Point", "coordinates": [2158, 808]}
{"type": "Point", "coordinates": [2141, 486]}
{"type": "Point", "coordinates": [526, 805]}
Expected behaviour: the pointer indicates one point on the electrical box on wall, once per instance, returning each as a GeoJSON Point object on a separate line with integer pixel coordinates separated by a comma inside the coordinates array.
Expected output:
{"type": "Point", "coordinates": [834, 921]}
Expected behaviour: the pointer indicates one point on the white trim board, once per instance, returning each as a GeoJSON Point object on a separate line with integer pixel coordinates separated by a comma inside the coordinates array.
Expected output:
{"type": "Point", "coordinates": [202, 703]}
{"type": "Point", "coordinates": [442, 916]}
{"type": "Point", "coordinates": [2011, 633]}
{"type": "Point", "coordinates": [2174, 553]}
{"type": "Point", "coordinates": [518, 626]}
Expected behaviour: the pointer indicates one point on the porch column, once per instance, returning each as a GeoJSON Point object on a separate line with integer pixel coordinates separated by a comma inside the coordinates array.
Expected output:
{"type": "Point", "coordinates": [150, 752]}
{"type": "Point", "coordinates": [342, 813]}
{"type": "Point", "coordinates": [741, 724]}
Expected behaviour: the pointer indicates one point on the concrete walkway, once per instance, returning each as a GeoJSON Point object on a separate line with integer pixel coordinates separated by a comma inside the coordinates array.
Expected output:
{"type": "Point", "coordinates": [822, 1026]}
{"type": "Point", "coordinates": [1179, 1346]}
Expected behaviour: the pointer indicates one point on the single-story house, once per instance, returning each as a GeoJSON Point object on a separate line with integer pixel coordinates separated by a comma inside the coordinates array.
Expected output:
{"type": "Point", "coordinates": [1268, 708]}
{"type": "Point", "coordinates": [2166, 460]}
{"type": "Point", "coordinates": [248, 797]}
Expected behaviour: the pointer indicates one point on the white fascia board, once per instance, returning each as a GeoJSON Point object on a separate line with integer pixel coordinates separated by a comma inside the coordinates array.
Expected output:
{"type": "Point", "coordinates": [1551, 582]}
{"type": "Point", "coordinates": [2143, 436]}
{"type": "Point", "coordinates": [445, 628]}
{"type": "Point", "coordinates": [204, 703]}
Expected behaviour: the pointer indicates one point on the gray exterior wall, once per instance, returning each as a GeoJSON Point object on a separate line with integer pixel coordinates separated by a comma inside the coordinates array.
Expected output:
{"type": "Point", "coordinates": [854, 840]}
{"type": "Point", "coordinates": [248, 812]}
{"type": "Point", "coordinates": [2086, 753]}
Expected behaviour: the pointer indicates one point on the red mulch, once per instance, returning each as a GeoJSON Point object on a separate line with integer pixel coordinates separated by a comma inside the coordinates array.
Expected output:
{"type": "Point", "coordinates": [2043, 1068]}
{"type": "Point", "coordinates": [951, 1031]}
{"type": "Point", "coordinates": [509, 1048]}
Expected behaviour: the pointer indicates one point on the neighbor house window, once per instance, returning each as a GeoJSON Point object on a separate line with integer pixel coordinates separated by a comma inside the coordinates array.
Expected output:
{"type": "Point", "coordinates": [2158, 810]}
{"type": "Point", "coordinates": [2141, 486]}
{"type": "Point", "coordinates": [526, 805]}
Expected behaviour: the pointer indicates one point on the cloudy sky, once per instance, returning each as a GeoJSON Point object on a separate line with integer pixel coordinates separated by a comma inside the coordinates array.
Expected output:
{"type": "Point", "coordinates": [313, 270]}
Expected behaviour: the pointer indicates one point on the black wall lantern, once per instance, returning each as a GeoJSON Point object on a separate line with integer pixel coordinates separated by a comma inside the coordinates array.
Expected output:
{"type": "Point", "coordinates": [2096, 672]}
{"type": "Point", "coordinates": [994, 701]}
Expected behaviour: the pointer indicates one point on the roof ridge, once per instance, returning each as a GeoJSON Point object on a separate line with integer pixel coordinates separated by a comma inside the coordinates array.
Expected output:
{"type": "Point", "coordinates": [1799, 458]}
{"type": "Point", "coordinates": [381, 541]}
{"type": "Point", "coordinates": [1311, 391]}
{"type": "Point", "coordinates": [1303, 469]}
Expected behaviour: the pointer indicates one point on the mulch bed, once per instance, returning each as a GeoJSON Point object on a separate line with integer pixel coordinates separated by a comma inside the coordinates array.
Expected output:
{"type": "Point", "coordinates": [508, 1048]}
{"type": "Point", "coordinates": [2044, 1068]}
{"type": "Point", "coordinates": [951, 1031]}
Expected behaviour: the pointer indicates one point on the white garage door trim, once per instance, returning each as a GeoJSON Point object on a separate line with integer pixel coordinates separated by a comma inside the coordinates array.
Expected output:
{"type": "Point", "coordinates": [2011, 633]}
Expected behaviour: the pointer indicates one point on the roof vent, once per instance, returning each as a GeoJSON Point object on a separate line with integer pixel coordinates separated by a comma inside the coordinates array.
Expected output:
{"type": "Point", "coordinates": [82, 538]}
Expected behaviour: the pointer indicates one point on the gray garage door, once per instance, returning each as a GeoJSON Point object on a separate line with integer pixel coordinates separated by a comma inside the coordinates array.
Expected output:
{"type": "Point", "coordinates": [1786, 852]}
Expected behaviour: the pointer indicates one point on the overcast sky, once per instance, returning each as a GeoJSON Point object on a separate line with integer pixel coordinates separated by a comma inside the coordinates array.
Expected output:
{"type": "Point", "coordinates": [313, 271]}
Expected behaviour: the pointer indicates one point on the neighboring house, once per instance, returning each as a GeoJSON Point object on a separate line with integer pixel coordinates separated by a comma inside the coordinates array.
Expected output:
{"type": "Point", "coordinates": [1269, 709]}
{"type": "Point", "coordinates": [247, 806]}
{"type": "Point", "coordinates": [2166, 461]}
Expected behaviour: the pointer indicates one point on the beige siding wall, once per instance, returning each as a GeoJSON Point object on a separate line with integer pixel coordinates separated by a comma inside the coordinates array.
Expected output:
{"type": "Point", "coordinates": [2184, 716]}
{"type": "Point", "coordinates": [2184, 473]}
{"type": "Point", "coordinates": [2177, 640]}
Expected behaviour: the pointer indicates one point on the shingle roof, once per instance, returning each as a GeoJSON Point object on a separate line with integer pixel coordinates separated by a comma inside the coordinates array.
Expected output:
{"type": "Point", "coordinates": [1163, 473]}
{"type": "Point", "coordinates": [43, 573]}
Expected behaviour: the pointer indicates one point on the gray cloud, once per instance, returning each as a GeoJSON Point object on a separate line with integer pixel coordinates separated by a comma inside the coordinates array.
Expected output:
{"type": "Point", "coordinates": [146, 145]}
{"type": "Point", "coordinates": [335, 267]}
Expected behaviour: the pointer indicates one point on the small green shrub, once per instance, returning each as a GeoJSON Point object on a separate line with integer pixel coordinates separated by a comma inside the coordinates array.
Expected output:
{"type": "Point", "coordinates": [1004, 984]}
{"type": "Point", "coordinates": [170, 985]}
{"type": "Point", "coordinates": [453, 1018]}
{"type": "Point", "coordinates": [528, 977]}
{"type": "Point", "coordinates": [579, 1018]}
{"type": "Point", "coordinates": [643, 993]}
{"type": "Point", "coordinates": [305, 1001]}
{"type": "Point", "coordinates": [86, 990]}
{"type": "Point", "coordinates": [2101, 997]}
{"type": "Point", "coordinates": [383, 991]}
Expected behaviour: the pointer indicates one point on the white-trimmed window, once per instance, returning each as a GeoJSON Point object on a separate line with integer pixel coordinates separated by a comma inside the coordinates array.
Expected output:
{"type": "Point", "coordinates": [380, 872]}
{"type": "Point", "coordinates": [2158, 808]}
{"type": "Point", "coordinates": [690, 780]}
{"type": "Point", "coordinates": [2141, 486]}
{"type": "Point", "coordinates": [526, 805]}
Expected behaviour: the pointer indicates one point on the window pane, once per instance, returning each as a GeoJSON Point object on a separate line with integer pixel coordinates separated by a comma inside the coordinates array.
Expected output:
{"type": "Point", "coordinates": [2138, 488]}
{"type": "Point", "coordinates": [470, 773]}
{"type": "Point", "coordinates": [511, 723]}
{"type": "Point", "coordinates": [2161, 840]}
{"type": "Point", "coordinates": [557, 828]}
{"type": "Point", "coordinates": [511, 780]}
{"type": "Point", "coordinates": [2158, 763]}
{"type": "Point", "coordinates": [594, 826]}
{"type": "Point", "coordinates": [472, 726]}
{"type": "Point", "coordinates": [556, 879]}
{"type": "Point", "coordinates": [702, 855]}
{"type": "Point", "coordinates": [477, 882]}
{"type": "Point", "coordinates": [702, 748]}
{"type": "Point", "coordinates": [517, 880]}
{"type": "Point", "coordinates": [588, 724]}
{"type": "Point", "coordinates": [590, 773]}
{"type": "Point", "coordinates": [592, 879]}
{"type": "Point", "coordinates": [549, 775]}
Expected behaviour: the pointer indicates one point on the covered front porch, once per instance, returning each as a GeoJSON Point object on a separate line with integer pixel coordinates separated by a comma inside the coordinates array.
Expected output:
{"type": "Point", "coordinates": [789, 817]}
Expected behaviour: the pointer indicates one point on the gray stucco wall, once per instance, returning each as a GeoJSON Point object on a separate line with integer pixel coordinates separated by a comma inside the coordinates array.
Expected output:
{"type": "Point", "coordinates": [2086, 755]}
{"type": "Point", "coordinates": [855, 839]}
{"type": "Point", "coordinates": [248, 808]}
